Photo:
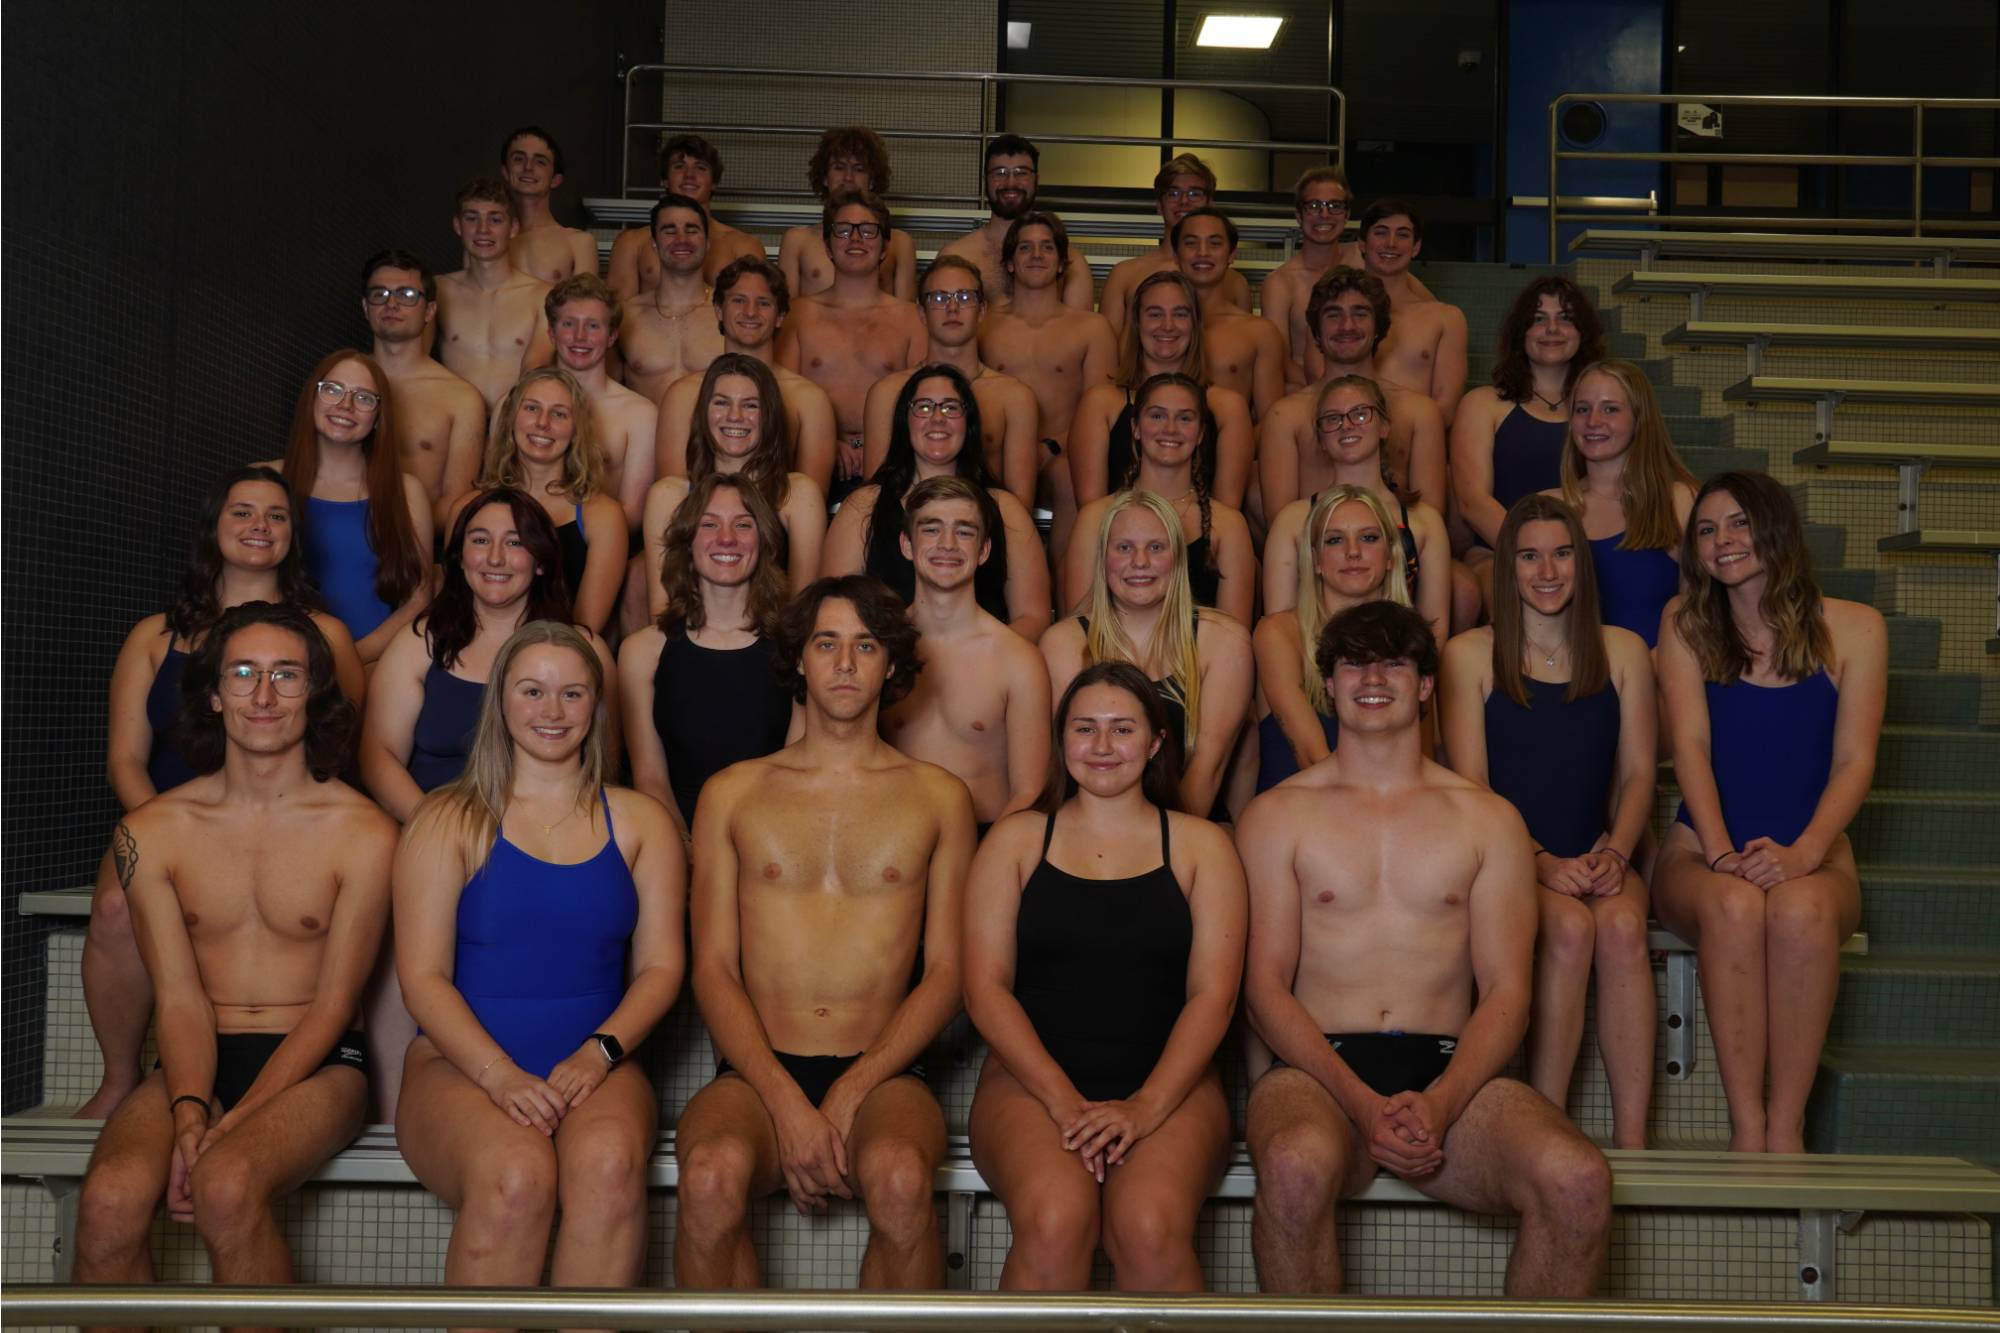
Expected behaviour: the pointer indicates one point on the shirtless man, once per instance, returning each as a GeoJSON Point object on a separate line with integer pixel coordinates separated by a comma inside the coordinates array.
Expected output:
{"type": "Point", "coordinates": [1427, 352]}
{"type": "Point", "coordinates": [820, 873]}
{"type": "Point", "coordinates": [1182, 185]}
{"type": "Point", "coordinates": [952, 299]}
{"type": "Point", "coordinates": [853, 333]}
{"type": "Point", "coordinates": [852, 157]}
{"type": "Point", "coordinates": [585, 320]}
{"type": "Point", "coordinates": [750, 302]}
{"type": "Point", "coordinates": [667, 331]}
{"type": "Point", "coordinates": [1348, 315]}
{"type": "Point", "coordinates": [1322, 201]}
{"type": "Point", "coordinates": [981, 707]}
{"type": "Point", "coordinates": [1242, 352]}
{"type": "Point", "coordinates": [1011, 164]}
{"type": "Point", "coordinates": [489, 311]}
{"type": "Point", "coordinates": [1057, 350]}
{"type": "Point", "coordinates": [440, 419]}
{"type": "Point", "coordinates": [259, 893]}
{"type": "Point", "coordinates": [690, 166]}
{"type": "Point", "coordinates": [531, 162]}
{"type": "Point", "coordinates": [1369, 936]}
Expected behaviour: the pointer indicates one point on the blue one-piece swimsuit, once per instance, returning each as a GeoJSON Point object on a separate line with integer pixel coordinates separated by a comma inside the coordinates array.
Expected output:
{"type": "Point", "coordinates": [1633, 587]}
{"type": "Point", "coordinates": [1771, 750]}
{"type": "Point", "coordinates": [541, 948]}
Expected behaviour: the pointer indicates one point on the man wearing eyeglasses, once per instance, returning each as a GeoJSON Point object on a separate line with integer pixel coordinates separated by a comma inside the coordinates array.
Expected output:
{"type": "Point", "coordinates": [668, 330]}
{"type": "Point", "coordinates": [1323, 202]}
{"type": "Point", "coordinates": [853, 333]}
{"type": "Point", "coordinates": [848, 157]}
{"type": "Point", "coordinates": [1182, 186]}
{"type": "Point", "coordinates": [531, 162]}
{"type": "Point", "coordinates": [1011, 175]}
{"type": "Point", "coordinates": [1427, 351]}
{"type": "Point", "coordinates": [952, 299]}
{"type": "Point", "coordinates": [490, 313]}
{"type": "Point", "coordinates": [259, 892]}
{"type": "Point", "coordinates": [1348, 315]}
{"type": "Point", "coordinates": [751, 298]}
{"type": "Point", "coordinates": [440, 419]}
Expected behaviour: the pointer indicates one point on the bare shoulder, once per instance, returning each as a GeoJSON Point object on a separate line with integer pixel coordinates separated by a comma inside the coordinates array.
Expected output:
{"type": "Point", "coordinates": [637, 810]}
{"type": "Point", "coordinates": [1291, 518]}
{"type": "Point", "coordinates": [1622, 646]}
{"type": "Point", "coordinates": [1407, 404]}
{"type": "Point", "coordinates": [150, 628]}
{"type": "Point", "coordinates": [1469, 648]}
{"type": "Point", "coordinates": [346, 818]}
{"type": "Point", "coordinates": [1063, 639]}
{"type": "Point", "coordinates": [1018, 835]}
{"type": "Point", "coordinates": [1843, 616]}
{"type": "Point", "coordinates": [667, 491]}
{"type": "Point", "coordinates": [1205, 837]}
{"type": "Point", "coordinates": [1293, 406]}
{"type": "Point", "coordinates": [1479, 810]}
{"type": "Point", "coordinates": [1221, 633]}
{"type": "Point", "coordinates": [1225, 401]}
{"type": "Point", "coordinates": [1279, 628]}
{"type": "Point", "coordinates": [861, 502]}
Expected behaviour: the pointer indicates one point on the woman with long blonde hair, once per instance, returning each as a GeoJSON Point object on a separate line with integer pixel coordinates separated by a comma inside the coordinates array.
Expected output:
{"type": "Point", "coordinates": [1347, 554]}
{"type": "Point", "coordinates": [544, 444]}
{"type": "Point", "coordinates": [1555, 711]}
{"type": "Point", "coordinates": [1139, 609]}
{"type": "Point", "coordinates": [1774, 698]}
{"type": "Point", "coordinates": [527, 892]}
{"type": "Point", "coordinates": [1621, 474]}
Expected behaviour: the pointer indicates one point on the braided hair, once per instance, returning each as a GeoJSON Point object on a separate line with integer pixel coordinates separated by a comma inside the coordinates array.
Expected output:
{"type": "Point", "coordinates": [1201, 468]}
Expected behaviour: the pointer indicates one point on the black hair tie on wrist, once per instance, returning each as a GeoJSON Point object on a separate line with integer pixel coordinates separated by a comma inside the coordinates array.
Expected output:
{"type": "Point", "coordinates": [1720, 859]}
{"type": "Point", "coordinates": [202, 1102]}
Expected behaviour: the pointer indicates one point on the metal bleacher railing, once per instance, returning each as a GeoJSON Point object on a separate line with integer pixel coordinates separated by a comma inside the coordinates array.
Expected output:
{"type": "Point", "coordinates": [408, 1307]}
{"type": "Point", "coordinates": [985, 128]}
{"type": "Point", "coordinates": [1916, 160]}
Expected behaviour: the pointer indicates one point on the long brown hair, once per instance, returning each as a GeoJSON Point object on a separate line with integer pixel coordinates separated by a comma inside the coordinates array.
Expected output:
{"type": "Point", "coordinates": [1646, 495]}
{"type": "Point", "coordinates": [1132, 357]}
{"type": "Point", "coordinates": [476, 800]}
{"type": "Point", "coordinates": [769, 466]}
{"type": "Point", "coordinates": [1791, 604]}
{"type": "Point", "coordinates": [768, 589]}
{"type": "Point", "coordinates": [583, 462]}
{"type": "Point", "coordinates": [399, 565]}
{"type": "Point", "coordinates": [1589, 668]}
{"type": "Point", "coordinates": [1513, 377]}
{"type": "Point", "coordinates": [1160, 781]}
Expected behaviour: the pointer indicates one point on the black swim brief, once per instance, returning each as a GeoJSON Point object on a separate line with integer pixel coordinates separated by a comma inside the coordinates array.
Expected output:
{"type": "Point", "coordinates": [981, 830]}
{"type": "Point", "coordinates": [241, 1056]}
{"type": "Point", "coordinates": [815, 1074]}
{"type": "Point", "coordinates": [1393, 1062]}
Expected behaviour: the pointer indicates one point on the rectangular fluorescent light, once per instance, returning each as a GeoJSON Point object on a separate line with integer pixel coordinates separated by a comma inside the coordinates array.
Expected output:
{"type": "Point", "coordinates": [1017, 35]}
{"type": "Point", "coordinates": [1250, 32]}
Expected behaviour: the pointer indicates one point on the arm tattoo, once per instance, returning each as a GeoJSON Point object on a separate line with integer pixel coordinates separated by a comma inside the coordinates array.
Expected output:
{"type": "Point", "coordinates": [125, 855]}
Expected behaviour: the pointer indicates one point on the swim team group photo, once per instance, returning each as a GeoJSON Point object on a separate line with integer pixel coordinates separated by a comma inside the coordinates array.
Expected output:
{"type": "Point", "coordinates": [1068, 707]}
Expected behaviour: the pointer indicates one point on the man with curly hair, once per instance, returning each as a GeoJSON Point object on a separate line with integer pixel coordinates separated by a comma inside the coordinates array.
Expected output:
{"type": "Point", "coordinates": [849, 157]}
{"type": "Point", "coordinates": [827, 877]}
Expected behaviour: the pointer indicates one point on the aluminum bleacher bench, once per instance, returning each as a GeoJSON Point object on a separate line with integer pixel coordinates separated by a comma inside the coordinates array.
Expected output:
{"type": "Point", "coordinates": [1753, 338]}
{"type": "Point", "coordinates": [1829, 1193]}
{"type": "Point", "coordinates": [1698, 286]}
{"type": "Point", "coordinates": [1938, 251]}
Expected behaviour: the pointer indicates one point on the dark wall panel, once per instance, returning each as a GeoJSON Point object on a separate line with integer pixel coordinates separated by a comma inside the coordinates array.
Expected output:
{"type": "Point", "coordinates": [190, 189]}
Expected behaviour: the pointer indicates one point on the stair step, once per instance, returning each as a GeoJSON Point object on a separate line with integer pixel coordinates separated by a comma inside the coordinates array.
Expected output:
{"type": "Point", "coordinates": [1912, 824]}
{"type": "Point", "coordinates": [1943, 1000]}
{"type": "Point", "coordinates": [1677, 400]}
{"type": "Point", "coordinates": [1914, 640]}
{"type": "Point", "coordinates": [1853, 585]}
{"type": "Point", "coordinates": [1930, 909]}
{"type": "Point", "coordinates": [1706, 462]}
{"type": "Point", "coordinates": [1899, 1099]}
{"type": "Point", "coordinates": [1699, 432]}
{"type": "Point", "coordinates": [1625, 346]}
{"type": "Point", "coordinates": [1931, 698]}
{"type": "Point", "coordinates": [1828, 544]}
{"type": "Point", "coordinates": [1938, 758]}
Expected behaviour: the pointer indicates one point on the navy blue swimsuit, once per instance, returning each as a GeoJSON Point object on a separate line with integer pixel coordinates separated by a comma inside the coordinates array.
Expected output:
{"type": "Point", "coordinates": [541, 948]}
{"type": "Point", "coordinates": [342, 563]}
{"type": "Point", "coordinates": [1555, 760]}
{"type": "Point", "coordinates": [442, 738]}
{"type": "Point", "coordinates": [1275, 760]}
{"type": "Point", "coordinates": [164, 763]}
{"type": "Point", "coordinates": [1633, 587]}
{"type": "Point", "coordinates": [1771, 750]}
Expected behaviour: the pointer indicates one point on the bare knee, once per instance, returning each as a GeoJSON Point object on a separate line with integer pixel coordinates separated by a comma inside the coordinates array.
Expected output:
{"type": "Point", "coordinates": [1735, 909]}
{"type": "Point", "coordinates": [896, 1179]}
{"type": "Point", "coordinates": [1801, 917]}
{"type": "Point", "coordinates": [230, 1197]}
{"type": "Point", "coordinates": [1300, 1170]}
{"type": "Point", "coordinates": [111, 920]}
{"type": "Point", "coordinates": [1143, 1235]}
{"type": "Point", "coordinates": [1054, 1229]}
{"type": "Point", "coordinates": [114, 1215]}
{"type": "Point", "coordinates": [1568, 934]}
{"type": "Point", "coordinates": [603, 1172]}
{"type": "Point", "coordinates": [714, 1191]}
{"type": "Point", "coordinates": [512, 1185]}
{"type": "Point", "coordinates": [1568, 1184]}
{"type": "Point", "coordinates": [1621, 939]}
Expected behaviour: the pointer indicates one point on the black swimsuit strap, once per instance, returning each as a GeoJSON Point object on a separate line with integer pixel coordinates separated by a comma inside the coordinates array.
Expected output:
{"type": "Point", "coordinates": [1166, 848]}
{"type": "Point", "coordinates": [1048, 835]}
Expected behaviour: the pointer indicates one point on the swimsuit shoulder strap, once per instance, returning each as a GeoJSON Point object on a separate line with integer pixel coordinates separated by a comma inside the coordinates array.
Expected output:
{"type": "Point", "coordinates": [1166, 846]}
{"type": "Point", "coordinates": [610, 833]}
{"type": "Point", "coordinates": [1048, 835]}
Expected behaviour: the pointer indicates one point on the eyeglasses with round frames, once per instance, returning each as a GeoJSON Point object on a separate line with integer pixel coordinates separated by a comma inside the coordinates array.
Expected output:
{"type": "Point", "coordinates": [1360, 414]}
{"type": "Point", "coordinates": [286, 682]}
{"type": "Point", "coordinates": [333, 391]}
{"type": "Point", "coordinates": [404, 296]}
{"type": "Point", "coordinates": [951, 409]}
{"type": "Point", "coordinates": [963, 297]}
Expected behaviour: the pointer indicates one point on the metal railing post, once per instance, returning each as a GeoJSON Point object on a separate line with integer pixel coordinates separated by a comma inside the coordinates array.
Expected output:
{"type": "Point", "coordinates": [1554, 199]}
{"type": "Point", "coordinates": [1917, 173]}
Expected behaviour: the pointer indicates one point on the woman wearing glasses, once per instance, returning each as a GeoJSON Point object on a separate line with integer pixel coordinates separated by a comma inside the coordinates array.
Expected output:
{"type": "Point", "coordinates": [1351, 422]}
{"type": "Point", "coordinates": [366, 532]}
{"type": "Point", "coordinates": [936, 414]}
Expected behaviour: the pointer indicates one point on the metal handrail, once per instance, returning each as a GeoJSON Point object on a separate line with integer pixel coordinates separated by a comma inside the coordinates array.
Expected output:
{"type": "Point", "coordinates": [418, 1307]}
{"type": "Point", "coordinates": [1916, 159]}
{"type": "Point", "coordinates": [988, 81]}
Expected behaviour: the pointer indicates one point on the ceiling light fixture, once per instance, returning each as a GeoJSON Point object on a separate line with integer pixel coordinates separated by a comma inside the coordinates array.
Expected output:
{"type": "Point", "coordinates": [1249, 32]}
{"type": "Point", "coordinates": [1017, 35]}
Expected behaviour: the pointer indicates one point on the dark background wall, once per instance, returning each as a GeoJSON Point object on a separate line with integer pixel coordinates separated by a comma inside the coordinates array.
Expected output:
{"type": "Point", "coordinates": [189, 192]}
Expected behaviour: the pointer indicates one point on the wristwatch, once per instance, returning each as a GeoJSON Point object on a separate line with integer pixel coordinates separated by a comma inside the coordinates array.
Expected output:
{"type": "Point", "coordinates": [613, 1049]}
